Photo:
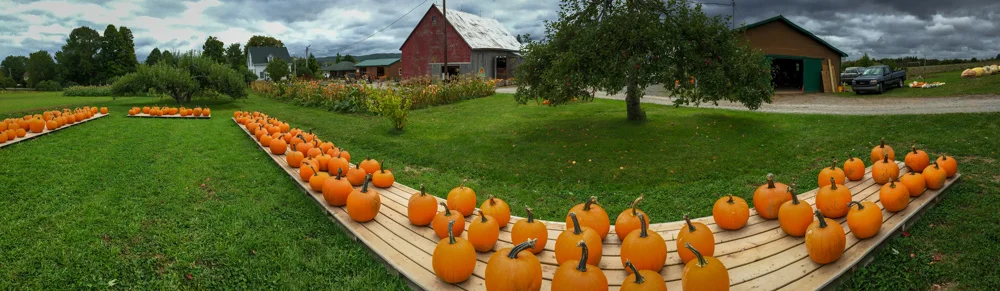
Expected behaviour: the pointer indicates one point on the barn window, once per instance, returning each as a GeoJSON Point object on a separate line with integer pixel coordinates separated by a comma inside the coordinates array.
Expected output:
{"type": "Point", "coordinates": [434, 20]}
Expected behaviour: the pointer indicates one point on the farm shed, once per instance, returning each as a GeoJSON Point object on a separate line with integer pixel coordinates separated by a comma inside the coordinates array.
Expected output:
{"type": "Point", "coordinates": [801, 61]}
{"type": "Point", "coordinates": [338, 70]}
{"type": "Point", "coordinates": [378, 68]}
{"type": "Point", "coordinates": [475, 45]}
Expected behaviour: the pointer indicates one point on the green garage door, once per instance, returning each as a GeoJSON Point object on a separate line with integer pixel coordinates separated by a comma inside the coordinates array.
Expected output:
{"type": "Point", "coordinates": [812, 72]}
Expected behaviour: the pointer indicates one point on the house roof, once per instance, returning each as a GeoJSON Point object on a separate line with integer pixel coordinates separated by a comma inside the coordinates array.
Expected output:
{"type": "Point", "coordinates": [259, 54]}
{"type": "Point", "coordinates": [479, 32]}
{"type": "Point", "coordinates": [341, 66]}
{"type": "Point", "coordinates": [796, 27]}
{"type": "Point", "coordinates": [377, 62]}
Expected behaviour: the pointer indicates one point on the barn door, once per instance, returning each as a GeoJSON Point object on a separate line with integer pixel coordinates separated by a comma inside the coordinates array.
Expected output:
{"type": "Point", "coordinates": [812, 72]}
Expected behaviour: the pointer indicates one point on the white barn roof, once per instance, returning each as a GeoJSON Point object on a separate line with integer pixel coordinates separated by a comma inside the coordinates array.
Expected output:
{"type": "Point", "coordinates": [480, 32]}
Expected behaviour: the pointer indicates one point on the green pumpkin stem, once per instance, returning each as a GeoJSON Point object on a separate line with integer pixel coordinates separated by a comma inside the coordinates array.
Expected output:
{"type": "Point", "coordinates": [482, 216]}
{"type": "Point", "coordinates": [639, 279]}
{"type": "Point", "coordinates": [422, 193]}
{"type": "Point", "coordinates": [892, 182]}
{"type": "Point", "coordinates": [770, 181]}
{"type": "Point", "coordinates": [586, 205]}
{"type": "Point", "coordinates": [702, 262]}
{"type": "Point", "coordinates": [582, 266]}
{"type": "Point", "coordinates": [531, 216]}
{"type": "Point", "coordinates": [576, 223]}
{"type": "Point", "coordinates": [642, 226]}
{"type": "Point", "coordinates": [381, 167]}
{"type": "Point", "coordinates": [833, 184]}
{"type": "Point", "coordinates": [852, 203]}
{"type": "Point", "coordinates": [687, 220]}
{"type": "Point", "coordinates": [340, 173]}
{"type": "Point", "coordinates": [364, 187]}
{"type": "Point", "coordinates": [636, 203]}
{"type": "Point", "coordinates": [528, 244]}
{"type": "Point", "coordinates": [822, 221]}
{"type": "Point", "coordinates": [451, 234]}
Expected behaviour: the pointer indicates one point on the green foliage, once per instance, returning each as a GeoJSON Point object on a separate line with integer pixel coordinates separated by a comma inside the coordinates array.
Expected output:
{"type": "Point", "coordinates": [126, 52]}
{"type": "Point", "coordinates": [194, 75]}
{"type": "Point", "coordinates": [78, 55]}
{"type": "Point", "coordinates": [168, 58]}
{"type": "Point", "coordinates": [6, 81]}
{"type": "Point", "coordinates": [277, 69]}
{"type": "Point", "coordinates": [235, 57]}
{"type": "Point", "coordinates": [87, 91]}
{"type": "Point", "coordinates": [108, 57]}
{"type": "Point", "coordinates": [630, 45]}
{"type": "Point", "coordinates": [301, 68]}
{"type": "Point", "coordinates": [313, 65]}
{"type": "Point", "coordinates": [153, 57]}
{"type": "Point", "coordinates": [262, 41]}
{"type": "Point", "coordinates": [337, 59]}
{"type": "Point", "coordinates": [864, 61]}
{"type": "Point", "coordinates": [41, 68]}
{"type": "Point", "coordinates": [48, 85]}
{"type": "Point", "coordinates": [391, 104]}
{"type": "Point", "coordinates": [213, 50]}
{"type": "Point", "coordinates": [349, 58]}
{"type": "Point", "coordinates": [15, 67]}
{"type": "Point", "coordinates": [248, 76]}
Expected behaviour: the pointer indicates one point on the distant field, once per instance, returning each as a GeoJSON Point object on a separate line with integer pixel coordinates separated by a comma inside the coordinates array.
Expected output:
{"type": "Point", "coordinates": [955, 85]}
{"type": "Point", "coordinates": [38, 101]}
{"type": "Point", "coordinates": [947, 68]}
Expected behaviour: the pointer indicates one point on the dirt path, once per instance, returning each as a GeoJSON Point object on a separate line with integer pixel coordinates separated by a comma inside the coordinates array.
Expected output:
{"type": "Point", "coordinates": [827, 104]}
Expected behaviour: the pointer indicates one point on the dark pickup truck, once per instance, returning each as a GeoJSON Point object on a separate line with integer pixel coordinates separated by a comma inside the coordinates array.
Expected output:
{"type": "Point", "coordinates": [850, 73]}
{"type": "Point", "coordinates": [877, 79]}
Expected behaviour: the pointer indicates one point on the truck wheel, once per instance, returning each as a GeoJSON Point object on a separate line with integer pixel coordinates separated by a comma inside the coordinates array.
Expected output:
{"type": "Point", "coordinates": [900, 83]}
{"type": "Point", "coordinates": [880, 89]}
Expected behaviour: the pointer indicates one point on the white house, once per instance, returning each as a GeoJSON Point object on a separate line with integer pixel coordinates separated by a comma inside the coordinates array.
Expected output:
{"type": "Point", "coordinates": [259, 57]}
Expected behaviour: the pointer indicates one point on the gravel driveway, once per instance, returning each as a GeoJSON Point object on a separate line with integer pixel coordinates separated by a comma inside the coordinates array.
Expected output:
{"type": "Point", "coordinates": [829, 104]}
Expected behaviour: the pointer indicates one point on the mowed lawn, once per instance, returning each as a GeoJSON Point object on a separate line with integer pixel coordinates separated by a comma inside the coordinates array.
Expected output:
{"type": "Point", "coordinates": [954, 86]}
{"type": "Point", "coordinates": [123, 199]}
{"type": "Point", "coordinates": [40, 101]}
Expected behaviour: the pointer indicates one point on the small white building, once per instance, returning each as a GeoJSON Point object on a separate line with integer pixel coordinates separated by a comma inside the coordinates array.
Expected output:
{"type": "Point", "coordinates": [259, 57]}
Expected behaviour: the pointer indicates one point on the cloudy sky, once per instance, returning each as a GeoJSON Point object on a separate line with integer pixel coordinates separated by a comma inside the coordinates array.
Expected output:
{"type": "Point", "coordinates": [886, 28]}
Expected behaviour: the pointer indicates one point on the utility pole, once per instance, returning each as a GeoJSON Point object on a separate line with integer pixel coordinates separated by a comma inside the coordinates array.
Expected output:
{"type": "Point", "coordinates": [307, 57]}
{"type": "Point", "coordinates": [444, 16]}
{"type": "Point", "coordinates": [731, 3]}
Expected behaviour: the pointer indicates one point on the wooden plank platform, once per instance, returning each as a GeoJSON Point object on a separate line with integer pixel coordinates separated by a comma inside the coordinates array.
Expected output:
{"type": "Point", "coordinates": [177, 116]}
{"type": "Point", "coordinates": [758, 256]}
{"type": "Point", "coordinates": [30, 135]}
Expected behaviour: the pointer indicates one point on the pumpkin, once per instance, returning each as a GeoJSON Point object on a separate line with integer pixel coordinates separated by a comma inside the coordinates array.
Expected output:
{"type": "Point", "coordinates": [697, 234]}
{"type": "Point", "coordinates": [645, 249]}
{"type": "Point", "coordinates": [145, 110]}
{"type": "Point", "coordinates": [20, 132]}
{"type": "Point", "coordinates": [36, 125]}
{"type": "Point", "coordinates": [370, 165]}
{"type": "Point", "coordinates": [628, 220]}
{"type": "Point", "coordinates": [294, 159]}
{"type": "Point", "coordinates": [440, 222]}
{"type": "Point", "coordinates": [767, 199]}
{"type": "Point", "coordinates": [206, 112]}
{"type": "Point", "coordinates": [642, 280]}
{"type": "Point", "coordinates": [934, 176]}
{"type": "Point", "coordinates": [454, 258]}
{"type": "Point", "coordinates": [104, 110]}
{"type": "Point", "coordinates": [265, 140]}
{"type": "Point", "coordinates": [731, 212]}
{"type": "Point", "coordinates": [345, 155]}
{"type": "Point", "coordinates": [306, 171]}
{"type": "Point", "coordinates": [317, 180]}
{"type": "Point", "coordinates": [832, 172]}
{"type": "Point", "coordinates": [336, 189]}
{"type": "Point", "coordinates": [356, 176]}
{"type": "Point", "coordinates": [894, 198]}
{"type": "Point", "coordinates": [325, 147]}
{"type": "Point", "coordinates": [526, 229]}
{"type": "Point", "coordinates": [914, 182]}
{"type": "Point", "coordinates": [854, 168]}
{"type": "Point", "coordinates": [511, 270]}
{"type": "Point", "coordinates": [52, 124]}
{"type": "Point", "coordinates": [881, 150]}
{"type": "Point", "coordinates": [591, 215]}
{"type": "Point", "coordinates": [462, 199]}
{"type": "Point", "coordinates": [484, 232]}
{"type": "Point", "coordinates": [363, 205]}
{"type": "Point", "coordinates": [825, 240]}
{"type": "Point", "coordinates": [884, 170]}
{"type": "Point", "coordinates": [3, 137]}
{"type": "Point", "coordinates": [949, 164]}
{"type": "Point", "coordinates": [498, 209]}
{"type": "Point", "coordinates": [705, 273]}
{"type": "Point", "coordinates": [337, 164]}
{"type": "Point", "coordinates": [421, 208]}
{"type": "Point", "coordinates": [196, 112]}
{"type": "Point", "coordinates": [865, 220]}
{"type": "Point", "coordinates": [11, 134]}
{"type": "Point", "coordinates": [916, 159]}
{"type": "Point", "coordinates": [323, 160]}
{"type": "Point", "coordinates": [383, 178]}
{"type": "Point", "coordinates": [576, 275]}
{"type": "Point", "coordinates": [313, 150]}
{"type": "Point", "coordinates": [831, 200]}
{"type": "Point", "coordinates": [566, 243]}
{"type": "Point", "coordinates": [278, 146]}
{"type": "Point", "coordinates": [795, 216]}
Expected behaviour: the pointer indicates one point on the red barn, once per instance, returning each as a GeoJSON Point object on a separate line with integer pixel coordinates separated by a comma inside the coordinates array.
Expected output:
{"type": "Point", "coordinates": [475, 44]}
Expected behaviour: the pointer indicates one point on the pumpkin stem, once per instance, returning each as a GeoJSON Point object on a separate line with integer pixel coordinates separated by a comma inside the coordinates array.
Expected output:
{"type": "Point", "coordinates": [795, 198]}
{"type": "Point", "coordinates": [422, 193]}
{"type": "Point", "coordinates": [447, 212]}
{"type": "Point", "coordinates": [582, 266]}
{"type": "Point", "coordinates": [914, 147]}
{"type": "Point", "coordinates": [315, 173]}
{"type": "Point", "coordinates": [642, 226]}
{"type": "Point", "coordinates": [770, 181]}
{"type": "Point", "coordinates": [886, 160]}
{"type": "Point", "coordinates": [852, 203]}
{"type": "Point", "coordinates": [822, 221]}
{"type": "Point", "coordinates": [687, 219]}
{"type": "Point", "coordinates": [936, 165]}
{"type": "Point", "coordinates": [340, 172]}
{"type": "Point", "coordinates": [638, 278]}
{"type": "Point", "coordinates": [586, 205]}
{"type": "Point", "coordinates": [364, 187]}
{"type": "Point", "coordinates": [944, 157]}
{"type": "Point", "coordinates": [528, 244]}
{"type": "Point", "coordinates": [731, 201]}
{"type": "Point", "coordinates": [833, 184]}
{"type": "Point", "coordinates": [883, 143]}
{"type": "Point", "coordinates": [382, 167]}
{"type": "Point", "coordinates": [702, 262]}
{"type": "Point", "coordinates": [636, 203]}
{"type": "Point", "coordinates": [531, 216]}
{"type": "Point", "coordinates": [491, 199]}
{"type": "Point", "coordinates": [833, 165]}
{"type": "Point", "coordinates": [892, 182]}
{"type": "Point", "coordinates": [451, 234]}
{"type": "Point", "coordinates": [462, 185]}
{"type": "Point", "coordinates": [576, 223]}
{"type": "Point", "coordinates": [482, 216]}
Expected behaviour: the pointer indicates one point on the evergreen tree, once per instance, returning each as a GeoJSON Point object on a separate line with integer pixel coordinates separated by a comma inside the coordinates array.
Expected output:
{"type": "Point", "coordinates": [349, 58]}
{"type": "Point", "coordinates": [235, 57]}
{"type": "Point", "coordinates": [153, 57]}
{"type": "Point", "coordinates": [865, 61]}
{"type": "Point", "coordinates": [41, 67]}
{"type": "Point", "coordinates": [108, 57]}
{"type": "Point", "coordinates": [77, 57]}
{"type": "Point", "coordinates": [213, 49]}
{"type": "Point", "coordinates": [313, 65]}
{"type": "Point", "coordinates": [15, 66]}
{"type": "Point", "coordinates": [126, 53]}
{"type": "Point", "coordinates": [168, 58]}
{"type": "Point", "coordinates": [337, 59]}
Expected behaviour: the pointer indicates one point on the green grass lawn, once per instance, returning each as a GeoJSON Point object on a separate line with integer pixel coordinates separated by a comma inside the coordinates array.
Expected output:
{"type": "Point", "coordinates": [955, 86]}
{"type": "Point", "coordinates": [122, 199]}
{"type": "Point", "coordinates": [40, 101]}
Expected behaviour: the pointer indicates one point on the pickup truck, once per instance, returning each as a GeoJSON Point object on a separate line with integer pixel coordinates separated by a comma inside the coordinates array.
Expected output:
{"type": "Point", "coordinates": [877, 79]}
{"type": "Point", "coordinates": [850, 73]}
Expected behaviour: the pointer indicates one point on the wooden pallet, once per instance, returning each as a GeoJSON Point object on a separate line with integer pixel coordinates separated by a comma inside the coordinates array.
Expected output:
{"type": "Point", "coordinates": [758, 256]}
{"type": "Point", "coordinates": [30, 135]}
{"type": "Point", "coordinates": [143, 115]}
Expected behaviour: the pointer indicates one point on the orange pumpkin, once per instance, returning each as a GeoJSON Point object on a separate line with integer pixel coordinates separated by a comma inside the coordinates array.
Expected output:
{"type": "Point", "coordinates": [337, 163]}
{"type": "Point", "coordinates": [20, 132]}
{"type": "Point", "coordinates": [527, 229]}
{"type": "Point", "coordinates": [934, 176]}
{"type": "Point", "coordinates": [383, 178]}
{"type": "Point", "coordinates": [356, 176]}
{"type": "Point", "coordinates": [484, 232]}
{"type": "Point", "coordinates": [854, 168]}
{"type": "Point", "coordinates": [104, 110]}
{"type": "Point", "coordinates": [885, 170]}
{"type": "Point", "coordinates": [576, 275]}
{"type": "Point", "coordinates": [363, 205]}
{"type": "Point", "coordinates": [795, 216]}
{"type": "Point", "coordinates": [730, 212]}
{"type": "Point", "coordinates": [832, 200]}
{"type": "Point", "coordinates": [294, 159]}
{"type": "Point", "coordinates": [645, 249]}
{"type": "Point", "coordinates": [881, 151]}
{"type": "Point", "coordinates": [370, 165]}
{"type": "Point", "coordinates": [949, 164]}
{"type": "Point", "coordinates": [36, 125]}
{"type": "Point", "coordinates": [52, 124]}
{"type": "Point", "coordinates": [345, 155]}
{"type": "Point", "coordinates": [306, 171]}
{"type": "Point", "coordinates": [628, 220]}
{"type": "Point", "coordinates": [278, 146]}
{"type": "Point", "coordinates": [454, 258]}
{"type": "Point", "coordinates": [865, 220]}
{"type": "Point", "coordinates": [498, 209]}
{"type": "Point", "coordinates": [917, 160]}
{"type": "Point", "coordinates": [697, 234]}
{"type": "Point", "coordinates": [767, 199]}
{"type": "Point", "coordinates": [825, 240]}
{"type": "Point", "coordinates": [832, 172]}
{"type": "Point", "coordinates": [894, 198]}
{"type": "Point", "coordinates": [511, 270]}
{"type": "Point", "coordinates": [642, 280]}
{"type": "Point", "coordinates": [914, 182]}
{"type": "Point", "coordinates": [421, 208]}
{"type": "Point", "coordinates": [336, 190]}
{"type": "Point", "coordinates": [705, 273]}
{"type": "Point", "coordinates": [3, 137]}
{"type": "Point", "coordinates": [440, 222]}
{"type": "Point", "coordinates": [462, 199]}
{"type": "Point", "coordinates": [591, 215]}
{"type": "Point", "coordinates": [317, 180]}
{"type": "Point", "coordinates": [196, 112]}
{"type": "Point", "coordinates": [566, 243]}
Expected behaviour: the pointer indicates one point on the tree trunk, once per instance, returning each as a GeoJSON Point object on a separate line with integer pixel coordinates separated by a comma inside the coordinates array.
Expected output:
{"type": "Point", "coordinates": [632, 104]}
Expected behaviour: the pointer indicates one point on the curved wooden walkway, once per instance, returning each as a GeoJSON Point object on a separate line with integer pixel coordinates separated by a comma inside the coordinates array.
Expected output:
{"type": "Point", "coordinates": [760, 256]}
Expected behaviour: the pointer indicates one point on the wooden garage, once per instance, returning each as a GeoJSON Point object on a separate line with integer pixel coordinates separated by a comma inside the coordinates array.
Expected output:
{"type": "Point", "coordinates": [800, 60]}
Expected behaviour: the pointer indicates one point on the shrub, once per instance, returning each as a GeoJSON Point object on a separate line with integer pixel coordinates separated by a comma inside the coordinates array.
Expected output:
{"type": "Point", "coordinates": [6, 81]}
{"type": "Point", "coordinates": [391, 104]}
{"type": "Point", "coordinates": [48, 85]}
{"type": "Point", "coordinates": [192, 76]}
{"type": "Point", "coordinates": [87, 91]}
